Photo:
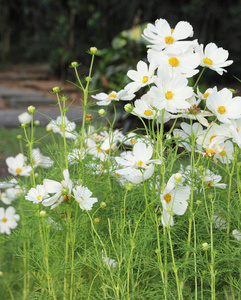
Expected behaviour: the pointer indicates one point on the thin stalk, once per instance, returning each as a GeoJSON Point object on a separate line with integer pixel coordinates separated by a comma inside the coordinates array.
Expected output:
{"type": "Point", "coordinates": [212, 253]}
{"type": "Point", "coordinates": [179, 292]}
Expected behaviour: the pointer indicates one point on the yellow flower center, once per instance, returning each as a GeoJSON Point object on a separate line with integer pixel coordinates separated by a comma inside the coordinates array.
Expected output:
{"type": "Point", "coordinates": [209, 151]}
{"type": "Point", "coordinates": [169, 95]}
{"type": "Point", "coordinates": [168, 198]}
{"type": "Point", "coordinates": [206, 95]}
{"type": "Point", "coordinates": [148, 112]}
{"type": "Point", "coordinates": [221, 109]}
{"type": "Point", "coordinates": [4, 220]}
{"type": "Point", "coordinates": [117, 174]}
{"type": "Point", "coordinates": [133, 141]}
{"type": "Point", "coordinates": [39, 196]}
{"type": "Point", "coordinates": [222, 153]}
{"type": "Point", "coordinates": [18, 170]}
{"type": "Point", "coordinates": [140, 162]}
{"type": "Point", "coordinates": [169, 39]}
{"type": "Point", "coordinates": [173, 61]}
{"type": "Point", "coordinates": [145, 79]}
{"type": "Point", "coordinates": [112, 96]}
{"type": "Point", "coordinates": [207, 61]}
{"type": "Point", "coordinates": [237, 129]}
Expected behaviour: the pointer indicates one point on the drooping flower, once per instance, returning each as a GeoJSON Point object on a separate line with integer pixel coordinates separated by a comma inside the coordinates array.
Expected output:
{"type": "Point", "coordinates": [211, 179]}
{"type": "Point", "coordinates": [8, 219]}
{"type": "Point", "coordinates": [61, 190]}
{"type": "Point", "coordinates": [214, 58]}
{"type": "Point", "coordinates": [16, 165]}
{"type": "Point", "coordinates": [37, 195]}
{"type": "Point", "coordinates": [83, 196]}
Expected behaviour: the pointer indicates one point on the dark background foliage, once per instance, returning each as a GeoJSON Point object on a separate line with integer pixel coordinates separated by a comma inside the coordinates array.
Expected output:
{"type": "Point", "coordinates": [59, 32]}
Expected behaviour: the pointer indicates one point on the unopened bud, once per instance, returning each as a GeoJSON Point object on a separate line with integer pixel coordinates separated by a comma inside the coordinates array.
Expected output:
{"type": "Point", "coordinates": [31, 109]}
{"type": "Point", "coordinates": [48, 128]}
{"type": "Point", "coordinates": [93, 50]}
{"type": "Point", "coordinates": [56, 90]}
{"type": "Point", "coordinates": [128, 108]}
{"type": "Point", "coordinates": [102, 112]}
{"type": "Point", "coordinates": [102, 204]}
{"type": "Point", "coordinates": [42, 213]}
{"type": "Point", "coordinates": [36, 123]}
{"type": "Point", "coordinates": [74, 64]}
{"type": "Point", "coordinates": [205, 246]}
{"type": "Point", "coordinates": [178, 177]}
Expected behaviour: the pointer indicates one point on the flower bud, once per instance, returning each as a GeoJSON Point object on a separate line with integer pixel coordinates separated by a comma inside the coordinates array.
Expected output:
{"type": "Point", "coordinates": [1, 273]}
{"type": "Point", "coordinates": [19, 137]}
{"type": "Point", "coordinates": [64, 98]}
{"type": "Point", "coordinates": [31, 109]}
{"type": "Point", "coordinates": [128, 108]}
{"type": "Point", "coordinates": [205, 246]}
{"type": "Point", "coordinates": [42, 213]}
{"type": "Point", "coordinates": [101, 112]}
{"type": "Point", "coordinates": [65, 109]}
{"type": "Point", "coordinates": [88, 78]}
{"type": "Point", "coordinates": [88, 118]}
{"type": "Point", "coordinates": [178, 177]}
{"type": "Point", "coordinates": [96, 220]}
{"type": "Point", "coordinates": [129, 186]}
{"type": "Point", "coordinates": [102, 204]}
{"type": "Point", "coordinates": [74, 64]}
{"type": "Point", "coordinates": [93, 50]}
{"type": "Point", "coordinates": [56, 90]}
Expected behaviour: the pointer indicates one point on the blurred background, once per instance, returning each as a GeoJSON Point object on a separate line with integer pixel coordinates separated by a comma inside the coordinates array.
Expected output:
{"type": "Point", "coordinates": [55, 33]}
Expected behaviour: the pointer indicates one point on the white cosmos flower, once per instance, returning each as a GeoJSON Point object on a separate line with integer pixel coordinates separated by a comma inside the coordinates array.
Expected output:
{"type": "Point", "coordinates": [182, 63]}
{"type": "Point", "coordinates": [214, 58]}
{"type": "Point", "coordinates": [37, 195]}
{"type": "Point", "coordinates": [184, 135]}
{"type": "Point", "coordinates": [140, 158]}
{"type": "Point", "coordinates": [16, 165]}
{"type": "Point", "coordinates": [142, 77]}
{"type": "Point", "coordinates": [4, 198]}
{"type": "Point", "coordinates": [237, 234]}
{"type": "Point", "coordinates": [108, 261]}
{"type": "Point", "coordinates": [137, 176]}
{"type": "Point", "coordinates": [61, 190]}
{"type": "Point", "coordinates": [24, 118]}
{"type": "Point", "coordinates": [75, 155]}
{"type": "Point", "coordinates": [39, 160]}
{"type": "Point", "coordinates": [106, 99]}
{"type": "Point", "coordinates": [211, 179]}
{"type": "Point", "coordinates": [143, 109]}
{"type": "Point", "coordinates": [170, 92]}
{"type": "Point", "coordinates": [83, 196]}
{"type": "Point", "coordinates": [162, 36]}
{"type": "Point", "coordinates": [8, 219]}
{"type": "Point", "coordinates": [174, 198]}
{"type": "Point", "coordinates": [224, 106]}
{"type": "Point", "coordinates": [63, 123]}
{"type": "Point", "coordinates": [6, 184]}
{"type": "Point", "coordinates": [226, 155]}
